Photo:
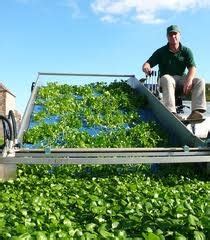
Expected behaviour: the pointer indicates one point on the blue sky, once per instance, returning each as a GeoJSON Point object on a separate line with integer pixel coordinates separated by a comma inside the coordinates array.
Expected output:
{"type": "Point", "coordinates": [95, 36]}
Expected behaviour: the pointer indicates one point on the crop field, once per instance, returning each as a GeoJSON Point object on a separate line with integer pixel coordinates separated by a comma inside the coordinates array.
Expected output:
{"type": "Point", "coordinates": [105, 202]}
{"type": "Point", "coordinates": [139, 201]}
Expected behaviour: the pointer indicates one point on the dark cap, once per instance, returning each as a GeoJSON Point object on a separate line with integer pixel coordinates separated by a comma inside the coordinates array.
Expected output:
{"type": "Point", "coordinates": [173, 28]}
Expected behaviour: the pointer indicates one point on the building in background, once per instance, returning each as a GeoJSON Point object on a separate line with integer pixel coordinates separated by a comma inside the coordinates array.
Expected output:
{"type": "Point", "coordinates": [7, 103]}
{"type": "Point", "coordinates": [208, 92]}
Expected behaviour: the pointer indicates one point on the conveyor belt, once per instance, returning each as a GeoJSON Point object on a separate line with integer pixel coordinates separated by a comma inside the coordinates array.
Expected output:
{"type": "Point", "coordinates": [193, 150]}
{"type": "Point", "coordinates": [131, 155]}
{"type": "Point", "coordinates": [169, 122]}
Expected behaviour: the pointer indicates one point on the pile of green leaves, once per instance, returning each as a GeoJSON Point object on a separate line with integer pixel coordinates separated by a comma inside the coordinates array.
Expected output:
{"type": "Point", "coordinates": [93, 115]}
{"type": "Point", "coordinates": [104, 202]}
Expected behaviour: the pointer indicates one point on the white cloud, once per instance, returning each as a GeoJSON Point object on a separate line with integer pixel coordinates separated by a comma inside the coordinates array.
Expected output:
{"type": "Point", "coordinates": [75, 10]}
{"type": "Point", "coordinates": [109, 18]}
{"type": "Point", "coordinates": [148, 18]}
{"type": "Point", "coordinates": [145, 11]}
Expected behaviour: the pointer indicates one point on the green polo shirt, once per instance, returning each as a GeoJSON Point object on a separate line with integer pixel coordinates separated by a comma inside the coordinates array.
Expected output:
{"type": "Point", "coordinates": [172, 63]}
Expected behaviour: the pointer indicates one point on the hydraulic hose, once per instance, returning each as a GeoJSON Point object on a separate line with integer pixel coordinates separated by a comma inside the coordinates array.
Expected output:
{"type": "Point", "coordinates": [14, 126]}
{"type": "Point", "coordinates": [32, 86]}
{"type": "Point", "coordinates": [5, 132]}
{"type": "Point", "coordinates": [7, 129]}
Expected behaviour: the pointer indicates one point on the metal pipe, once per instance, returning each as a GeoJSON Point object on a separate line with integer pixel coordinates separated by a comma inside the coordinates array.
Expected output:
{"type": "Point", "coordinates": [104, 160]}
{"type": "Point", "coordinates": [27, 113]}
{"type": "Point", "coordinates": [85, 74]}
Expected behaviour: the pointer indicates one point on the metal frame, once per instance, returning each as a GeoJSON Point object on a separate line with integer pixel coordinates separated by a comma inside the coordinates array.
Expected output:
{"type": "Point", "coordinates": [27, 113]}
{"type": "Point", "coordinates": [84, 74]}
{"type": "Point", "coordinates": [108, 156]}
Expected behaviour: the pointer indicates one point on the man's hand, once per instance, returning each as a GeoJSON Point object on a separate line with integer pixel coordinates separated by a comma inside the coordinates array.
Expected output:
{"type": "Point", "coordinates": [146, 68]}
{"type": "Point", "coordinates": [187, 86]}
{"type": "Point", "coordinates": [188, 80]}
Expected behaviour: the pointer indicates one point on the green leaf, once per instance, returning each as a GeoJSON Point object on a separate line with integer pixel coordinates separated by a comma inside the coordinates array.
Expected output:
{"type": "Point", "coordinates": [193, 220]}
{"type": "Point", "coordinates": [24, 212]}
{"type": "Point", "coordinates": [20, 228]}
{"type": "Point", "coordinates": [40, 235]}
{"type": "Point", "coordinates": [2, 223]}
{"type": "Point", "coordinates": [151, 236]}
{"type": "Point", "coordinates": [25, 236]}
{"type": "Point", "coordinates": [115, 224]}
{"type": "Point", "coordinates": [103, 232]}
{"type": "Point", "coordinates": [67, 222]}
{"type": "Point", "coordinates": [199, 235]}
{"type": "Point", "coordinates": [90, 227]}
{"type": "Point", "coordinates": [179, 236]}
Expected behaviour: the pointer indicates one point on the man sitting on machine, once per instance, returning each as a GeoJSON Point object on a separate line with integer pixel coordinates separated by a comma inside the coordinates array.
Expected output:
{"type": "Point", "coordinates": [173, 59]}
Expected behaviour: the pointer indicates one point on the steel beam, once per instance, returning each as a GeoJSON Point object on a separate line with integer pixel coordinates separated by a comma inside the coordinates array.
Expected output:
{"type": "Point", "coordinates": [109, 156]}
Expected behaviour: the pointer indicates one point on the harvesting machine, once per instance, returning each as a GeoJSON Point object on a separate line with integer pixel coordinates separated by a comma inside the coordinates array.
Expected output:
{"type": "Point", "coordinates": [192, 140]}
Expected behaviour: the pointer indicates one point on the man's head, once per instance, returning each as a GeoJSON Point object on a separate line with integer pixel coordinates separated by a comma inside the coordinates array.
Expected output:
{"type": "Point", "coordinates": [173, 28]}
{"type": "Point", "coordinates": [173, 35]}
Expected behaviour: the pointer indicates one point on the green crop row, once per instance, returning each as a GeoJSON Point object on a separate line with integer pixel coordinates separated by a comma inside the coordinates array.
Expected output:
{"type": "Point", "coordinates": [104, 202]}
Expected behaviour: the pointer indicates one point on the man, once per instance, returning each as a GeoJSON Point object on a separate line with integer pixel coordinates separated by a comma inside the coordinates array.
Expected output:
{"type": "Point", "coordinates": [173, 59]}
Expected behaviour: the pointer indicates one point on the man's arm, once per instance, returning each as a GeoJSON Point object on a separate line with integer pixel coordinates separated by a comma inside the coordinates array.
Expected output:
{"type": "Point", "coordinates": [151, 62]}
{"type": "Point", "coordinates": [188, 80]}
